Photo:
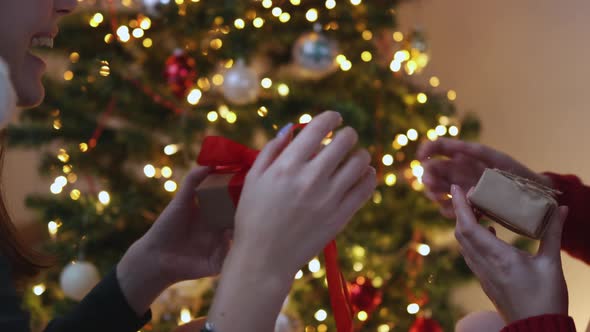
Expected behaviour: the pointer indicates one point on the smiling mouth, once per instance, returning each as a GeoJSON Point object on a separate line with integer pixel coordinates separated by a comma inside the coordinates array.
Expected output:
{"type": "Point", "coordinates": [41, 42]}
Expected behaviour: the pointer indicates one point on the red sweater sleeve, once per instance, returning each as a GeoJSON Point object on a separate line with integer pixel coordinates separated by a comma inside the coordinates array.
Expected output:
{"type": "Point", "coordinates": [576, 232]}
{"type": "Point", "coordinates": [545, 323]}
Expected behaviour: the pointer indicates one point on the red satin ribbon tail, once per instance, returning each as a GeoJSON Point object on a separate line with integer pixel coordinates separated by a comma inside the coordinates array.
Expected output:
{"type": "Point", "coordinates": [338, 289]}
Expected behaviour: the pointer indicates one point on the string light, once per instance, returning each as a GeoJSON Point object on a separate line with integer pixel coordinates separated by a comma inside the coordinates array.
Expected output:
{"type": "Point", "coordinates": [284, 17]}
{"type": "Point", "coordinates": [402, 140]}
{"type": "Point", "coordinates": [283, 89]}
{"type": "Point", "coordinates": [75, 194]}
{"type": "Point", "coordinates": [413, 308]}
{"type": "Point", "coordinates": [262, 111]}
{"type": "Point", "coordinates": [453, 131]}
{"type": "Point", "coordinates": [346, 65]}
{"type": "Point", "coordinates": [267, 3]}
{"type": "Point", "coordinates": [441, 130]}
{"type": "Point", "coordinates": [423, 249]}
{"type": "Point", "coordinates": [377, 197]}
{"type": "Point", "coordinates": [56, 189]}
{"type": "Point", "coordinates": [362, 316]}
{"type": "Point", "coordinates": [355, 2]}
{"type": "Point", "coordinates": [321, 315]}
{"type": "Point", "coordinates": [170, 186]}
{"type": "Point", "coordinates": [212, 116]}
{"type": "Point", "coordinates": [231, 117]}
{"type": "Point", "coordinates": [422, 98]}
{"type": "Point", "coordinates": [299, 275]}
{"type": "Point", "coordinates": [330, 4]}
{"type": "Point", "coordinates": [431, 134]}
{"type": "Point", "coordinates": [194, 96]}
{"type": "Point", "coordinates": [366, 56]}
{"type": "Point", "coordinates": [277, 11]}
{"type": "Point", "coordinates": [312, 15]}
{"type": "Point", "coordinates": [387, 160]}
{"type": "Point", "coordinates": [398, 36]}
{"type": "Point", "coordinates": [412, 134]}
{"type": "Point", "coordinates": [418, 171]}
{"type": "Point", "coordinates": [185, 316]}
{"type": "Point", "coordinates": [266, 83]}
{"type": "Point", "coordinates": [149, 171]}
{"type": "Point", "coordinates": [39, 289]}
{"type": "Point", "coordinates": [258, 22]}
{"type": "Point", "coordinates": [395, 66]}
{"type": "Point", "coordinates": [305, 118]}
{"type": "Point", "coordinates": [390, 179]}
{"type": "Point", "coordinates": [314, 265]}
{"type": "Point", "coordinates": [357, 266]}
{"type": "Point", "coordinates": [52, 228]}
{"type": "Point", "coordinates": [434, 81]}
{"type": "Point", "coordinates": [146, 23]}
{"type": "Point", "coordinates": [166, 172]}
{"type": "Point", "coordinates": [452, 95]}
{"type": "Point", "coordinates": [383, 328]}
{"type": "Point", "coordinates": [239, 24]}
{"type": "Point", "coordinates": [137, 33]}
{"type": "Point", "coordinates": [104, 197]}
{"type": "Point", "coordinates": [170, 149]}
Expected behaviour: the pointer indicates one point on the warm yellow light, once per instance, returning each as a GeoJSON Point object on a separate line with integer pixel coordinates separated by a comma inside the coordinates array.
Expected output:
{"type": "Point", "coordinates": [72, 178]}
{"type": "Point", "coordinates": [367, 35]}
{"type": "Point", "coordinates": [422, 98]}
{"type": "Point", "coordinates": [146, 23]}
{"type": "Point", "coordinates": [362, 316]}
{"type": "Point", "coordinates": [267, 3]}
{"type": "Point", "coordinates": [305, 118]}
{"type": "Point", "coordinates": [312, 15]}
{"type": "Point", "coordinates": [330, 4]}
{"type": "Point", "coordinates": [299, 275]}
{"type": "Point", "coordinates": [52, 228]}
{"type": "Point", "coordinates": [413, 308]}
{"type": "Point", "coordinates": [452, 95]}
{"type": "Point", "coordinates": [149, 171]}
{"type": "Point", "coordinates": [239, 23]}
{"type": "Point", "coordinates": [366, 56]}
{"type": "Point", "coordinates": [387, 160]}
{"type": "Point", "coordinates": [314, 265]}
{"type": "Point", "coordinates": [358, 251]}
{"type": "Point", "coordinates": [61, 180]}
{"type": "Point", "coordinates": [39, 289]}
{"type": "Point", "coordinates": [441, 130]}
{"type": "Point", "coordinates": [123, 33]}
{"type": "Point", "coordinates": [170, 149]}
{"type": "Point", "coordinates": [68, 75]}
{"type": "Point", "coordinates": [390, 179]}
{"type": "Point", "coordinates": [74, 57]}
{"type": "Point", "coordinates": [137, 33]}
{"type": "Point", "coordinates": [223, 111]}
{"type": "Point", "coordinates": [231, 117]}
{"type": "Point", "coordinates": [412, 134]}
{"type": "Point", "coordinates": [431, 134]}
{"type": "Point", "coordinates": [217, 79]}
{"type": "Point", "coordinates": [283, 89]}
{"type": "Point", "coordinates": [453, 131]}
{"type": "Point", "coordinates": [401, 56]}
{"type": "Point", "coordinates": [109, 38]}
{"type": "Point", "coordinates": [170, 186]}
{"type": "Point", "coordinates": [185, 316]}
{"type": "Point", "coordinates": [166, 172]}
{"type": "Point", "coordinates": [212, 116]}
{"type": "Point", "coordinates": [377, 197]}
{"type": "Point", "coordinates": [411, 67]}
{"type": "Point", "coordinates": [266, 83]}
{"type": "Point", "coordinates": [341, 58]}
{"type": "Point", "coordinates": [423, 249]}
{"type": "Point", "coordinates": [322, 328]}
{"type": "Point", "coordinates": [194, 96]}
{"type": "Point", "coordinates": [321, 315]}
{"type": "Point", "coordinates": [285, 17]}
{"type": "Point", "coordinates": [295, 2]}
{"type": "Point", "coordinates": [402, 140]}
{"type": "Point", "coordinates": [395, 66]}
{"type": "Point", "coordinates": [75, 194]}
{"type": "Point", "coordinates": [216, 43]}
{"type": "Point", "coordinates": [383, 328]}
{"type": "Point", "coordinates": [358, 266]}
{"type": "Point", "coordinates": [434, 81]}
{"type": "Point", "coordinates": [444, 120]}
{"type": "Point", "coordinates": [63, 156]}
{"type": "Point", "coordinates": [346, 65]}
{"type": "Point", "coordinates": [262, 112]}
{"type": "Point", "coordinates": [277, 11]}
{"type": "Point", "coordinates": [398, 36]}
{"type": "Point", "coordinates": [355, 2]}
{"type": "Point", "coordinates": [104, 197]}
{"type": "Point", "coordinates": [377, 282]}
{"type": "Point", "coordinates": [258, 22]}
{"type": "Point", "coordinates": [418, 171]}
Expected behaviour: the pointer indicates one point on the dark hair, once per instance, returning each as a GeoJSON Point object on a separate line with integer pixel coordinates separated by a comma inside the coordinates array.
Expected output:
{"type": "Point", "coordinates": [24, 260]}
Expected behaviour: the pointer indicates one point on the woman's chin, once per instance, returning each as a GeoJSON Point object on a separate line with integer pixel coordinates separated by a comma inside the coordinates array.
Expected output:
{"type": "Point", "coordinates": [30, 95]}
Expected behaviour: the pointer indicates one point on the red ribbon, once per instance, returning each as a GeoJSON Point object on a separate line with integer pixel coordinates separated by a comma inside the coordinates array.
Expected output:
{"type": "Point", "coordinates": [226, 157]}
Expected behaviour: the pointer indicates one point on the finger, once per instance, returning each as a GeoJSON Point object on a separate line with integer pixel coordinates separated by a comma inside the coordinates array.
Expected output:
{"type": "Point", "coordinates": [272, 150]}
{"type": "Point", "coordinates": [351, 171]}
{"type": "Point", "coordinates": [437, 174]}
{"type": "Point", "coordinates": [191, 181]}
{"type": "Point", "coordinates": [449, 147]}
{"type": "Point", "coordinates": [551, 241]}
{"type": "Point", "coordinates": [469, 232]}
{"type": "Point", "coordinates": [332, 155]}
{"type": "Point", "coordinates": [356, 197]}
{"type": "Point", "coordinates": [308, 142]}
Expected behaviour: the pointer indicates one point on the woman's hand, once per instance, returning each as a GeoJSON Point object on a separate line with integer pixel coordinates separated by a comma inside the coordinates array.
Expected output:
{"type": "Point", "coordinates": [463, 165]}
{"type": "Point", "coordinates": [520, 285]}
{"type": "Point", "coordinates": [177, 247]}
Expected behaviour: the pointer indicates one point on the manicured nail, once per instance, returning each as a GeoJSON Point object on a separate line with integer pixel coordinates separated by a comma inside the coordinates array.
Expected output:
{"type": "Point", "coordinates": [285, 130]}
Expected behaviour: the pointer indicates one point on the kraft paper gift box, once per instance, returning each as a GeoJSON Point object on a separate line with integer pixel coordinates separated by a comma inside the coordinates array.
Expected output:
{"type": "Point", "coordinates": [216, 206]}
{"type": "Point", "coordinates": [519, 204]}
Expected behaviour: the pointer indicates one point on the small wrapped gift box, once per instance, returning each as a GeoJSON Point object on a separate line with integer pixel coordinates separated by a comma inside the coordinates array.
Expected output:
{"type": "Point", "coordinates": [216, 206]}
{"type": "Point", "coordinates": [519, 204]}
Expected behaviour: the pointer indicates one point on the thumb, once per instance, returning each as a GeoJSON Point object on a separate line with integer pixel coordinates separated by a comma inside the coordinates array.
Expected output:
{"type": "Point", "coordinates": [192, 180]}
{"type": "Point", "coordinates": [551, 241]}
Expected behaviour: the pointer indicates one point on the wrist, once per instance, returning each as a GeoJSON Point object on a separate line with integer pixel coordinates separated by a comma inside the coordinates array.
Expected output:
{"type": "Point", "coordinates": [140, 278]}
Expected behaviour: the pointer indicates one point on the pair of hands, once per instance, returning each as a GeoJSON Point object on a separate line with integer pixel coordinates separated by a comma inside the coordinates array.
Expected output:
{"type": "Point", "coordinates": [296, 198]}
{"type": "Point", "coordinates": [519, 284]}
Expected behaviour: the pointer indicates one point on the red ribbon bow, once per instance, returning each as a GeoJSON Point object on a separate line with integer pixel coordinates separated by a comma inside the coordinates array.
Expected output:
{"type": "Point", "coordinates": [225, 157]}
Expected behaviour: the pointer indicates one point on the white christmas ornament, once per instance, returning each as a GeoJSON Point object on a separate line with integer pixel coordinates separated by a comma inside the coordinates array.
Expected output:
{"type": "Point", "coordinates": [315, 54]}
{"type": "Point", "coordinates": [78, 278]}
{"type": "Point", "coordinates": [7, 95]}
{"type": "Point", "coordinates": [241, 84]}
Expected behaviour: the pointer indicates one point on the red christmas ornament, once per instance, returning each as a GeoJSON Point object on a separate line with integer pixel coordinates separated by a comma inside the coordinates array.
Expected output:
{"type": "Point", "coordinates": [180, 73]}
{"type": "Point", "coordinates": [423, 324]}
{"type": "Point", "coordinates": [364, 296]}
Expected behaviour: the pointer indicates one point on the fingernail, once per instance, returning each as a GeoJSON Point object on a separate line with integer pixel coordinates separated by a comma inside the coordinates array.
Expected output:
{"type": "Point", "coordinates": [285, 130]}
